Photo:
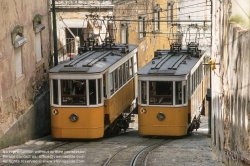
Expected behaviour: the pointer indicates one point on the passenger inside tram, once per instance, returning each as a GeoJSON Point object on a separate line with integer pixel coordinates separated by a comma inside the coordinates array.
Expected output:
{"type": "Point", "coordinates": [161, 92]}
{"type": "Point", "coordinates": [73, 92]}
{"type": "Point", "coordinates": [79, 89]}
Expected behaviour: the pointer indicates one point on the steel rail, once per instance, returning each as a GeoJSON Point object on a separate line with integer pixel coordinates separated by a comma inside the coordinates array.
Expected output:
{"type": "Point", "coordinates": [109, 160]}
{"type": "Point", "coordinates": [145, 159]}
{"type": "Point", "coordinates": [154, 146]}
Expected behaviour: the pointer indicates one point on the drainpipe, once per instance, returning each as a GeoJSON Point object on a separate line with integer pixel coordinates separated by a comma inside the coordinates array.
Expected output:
{"type": "Point", "coordinates": [54, 33]}
{"type": "Point", "coordinates": [210, 102]}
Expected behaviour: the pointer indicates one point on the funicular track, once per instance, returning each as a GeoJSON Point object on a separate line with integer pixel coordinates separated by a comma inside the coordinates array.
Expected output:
{"type": "Point", "coordinates": [136, 154]}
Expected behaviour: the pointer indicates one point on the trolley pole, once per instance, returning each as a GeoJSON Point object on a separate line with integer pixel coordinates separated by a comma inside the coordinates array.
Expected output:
{"type": "Point", "coordinates": [54, 34]}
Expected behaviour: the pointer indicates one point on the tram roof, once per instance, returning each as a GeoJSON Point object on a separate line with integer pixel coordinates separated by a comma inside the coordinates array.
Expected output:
{"type": "Point", "coordinates": [95, 61]}
{"type": "Point", "coordinates": [167, 63]}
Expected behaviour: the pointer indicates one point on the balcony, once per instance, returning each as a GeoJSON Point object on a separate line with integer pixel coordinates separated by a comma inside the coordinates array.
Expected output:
{"type": "Point", "coordinates": [69, 4]}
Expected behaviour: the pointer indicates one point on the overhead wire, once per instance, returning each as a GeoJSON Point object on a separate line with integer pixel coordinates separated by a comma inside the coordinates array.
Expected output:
{"type": "Point", "coordinates": [146, 7]}
{"type": "Point", "coordinates": [181, 2]}
{"type": "Point", "coordinates": [177, 8]}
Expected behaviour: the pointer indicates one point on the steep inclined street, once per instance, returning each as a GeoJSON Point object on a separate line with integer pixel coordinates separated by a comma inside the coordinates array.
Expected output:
{"type": "Point", "coordinates": [109, 82]}
{"type": "Point", "coordinates": [191, 150]}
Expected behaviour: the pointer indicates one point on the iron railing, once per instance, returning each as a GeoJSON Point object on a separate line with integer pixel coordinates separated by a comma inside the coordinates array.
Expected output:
{"type": "Point", "coordinates": [67, 51]}
{"type": "Point", "coordinates": [82, 2]}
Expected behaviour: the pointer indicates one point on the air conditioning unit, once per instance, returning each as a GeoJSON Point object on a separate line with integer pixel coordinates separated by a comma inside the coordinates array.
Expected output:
{"type": "Point", "coordinates": [20, 41]}
{"type": "Point", "coordinates": [39, 28]}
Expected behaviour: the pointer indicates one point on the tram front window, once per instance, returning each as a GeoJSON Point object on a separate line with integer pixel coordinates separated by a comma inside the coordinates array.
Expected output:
{"type": "Point", "coordinates": [55, 92]}
{"type": "Point", "coordinates": [143, 92]}
{"type": "Point", "coordinates": [160, 92]}
{"type": "Point", "coordinates": [73, 92]}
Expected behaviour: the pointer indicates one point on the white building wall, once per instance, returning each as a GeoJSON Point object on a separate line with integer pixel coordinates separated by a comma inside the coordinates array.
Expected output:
{"type": "Point", "coordinates": [192, 11]}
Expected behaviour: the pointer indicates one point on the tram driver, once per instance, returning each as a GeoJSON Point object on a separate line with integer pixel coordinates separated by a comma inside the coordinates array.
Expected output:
{"type": "Point", "coordinates": [79, 90]}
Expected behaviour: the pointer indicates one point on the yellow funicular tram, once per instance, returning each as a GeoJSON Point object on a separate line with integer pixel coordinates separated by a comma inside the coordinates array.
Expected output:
{"type": "Point", "coordinates": [171, 93]}
{"type": "Point", "coordinates": [91, 91]}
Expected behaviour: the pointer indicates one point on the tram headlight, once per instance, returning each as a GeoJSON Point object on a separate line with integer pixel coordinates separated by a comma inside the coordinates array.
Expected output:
{"type": "Point", "coordinates": [55, 111]}
{"type": "Point", "coordinates": [73, 117]}
{"type": "Point", "coordinates": [161, 116]}
{"type": "Point", "coordinates": [143, 110]}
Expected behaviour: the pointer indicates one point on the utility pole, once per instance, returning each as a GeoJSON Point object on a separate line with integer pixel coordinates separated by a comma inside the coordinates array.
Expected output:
{"type": "Point", "coordinates": [210, 90]}
{"type": "Point", "coordinates": [54, 33]}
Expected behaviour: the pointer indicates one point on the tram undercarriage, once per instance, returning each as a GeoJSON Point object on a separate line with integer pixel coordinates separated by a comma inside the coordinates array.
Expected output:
{"type": "Point", "coordinates": [121, 123]}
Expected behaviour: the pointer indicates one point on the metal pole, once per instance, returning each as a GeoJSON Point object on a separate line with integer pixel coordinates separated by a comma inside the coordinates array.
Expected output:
{"type": "Point", "coordinates": [54, 34]}
{"type": "Point", "coordinates": [210, 102]}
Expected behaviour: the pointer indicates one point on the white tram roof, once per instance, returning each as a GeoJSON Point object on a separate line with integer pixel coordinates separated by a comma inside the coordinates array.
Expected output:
{"type": "Point", "coordinates": [167, 63]}
{"type": "Point", "coordinates": [95, 61]}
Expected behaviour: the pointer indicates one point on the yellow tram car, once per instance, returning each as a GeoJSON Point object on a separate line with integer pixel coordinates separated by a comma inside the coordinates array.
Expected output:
{"type": "Point", "coordinates": [91, 92]}
{"type": "Point", "coordinates": [171, 93]}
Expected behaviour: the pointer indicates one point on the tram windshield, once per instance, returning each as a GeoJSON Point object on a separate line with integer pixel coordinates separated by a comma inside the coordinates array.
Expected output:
{"type": "Point", "coordinates": [73, 92]}
{"type": "Point", "coordinates": [163, 92]}
{"type": "Point", "coordinates": [160, 92]}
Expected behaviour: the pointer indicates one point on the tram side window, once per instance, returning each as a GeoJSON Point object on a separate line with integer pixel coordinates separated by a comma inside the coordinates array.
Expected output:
{"type": "Point", "coordinates": [195, 80]}
{"type": "Point", "coordinates": [124, 73]}
{"type": "Point", "coordinates": [99, 90]}
{"type": "Point", "coordinates": [143, 92]}
{"type": "Point", "coordinates": [116, 79]}
{"type": "Point", "coordinates": [201, 72]}
{"type": "Point", "coordinates": [73, 92]}
{"type": "Point", "coordinates": [184, 94]}
{"type": "Point", "coordinates": [111, 84]}
{"type": "Point", "coordinates": [136, 63]}
{"type": "Point", "coordinates": [192, 84]}
{"type": "Point", "coordinates": [127, 71]}
{"type": "Point", "coordinates": [55, 92]}
{"type": "Point", "coordinates": [160, 92]}
{"type": "Point", "coordinates": [131, 68]}
{"type": "Point", "coordinates": [120, 76]}
{"type": "Point", "coordinates": [92, 92]}
{"type": "Point", "coordinates": [178, 92]}
{"type": "Point", "coordinates": [104, 86]}
{"type": "Point", "coordinates": [198, 75]}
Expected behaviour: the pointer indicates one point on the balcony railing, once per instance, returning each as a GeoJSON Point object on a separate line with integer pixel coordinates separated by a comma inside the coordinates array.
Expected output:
{"type": "Point", "coordinates": [83, 2]}
{"type": "Point", "coordinates": [67, 51]}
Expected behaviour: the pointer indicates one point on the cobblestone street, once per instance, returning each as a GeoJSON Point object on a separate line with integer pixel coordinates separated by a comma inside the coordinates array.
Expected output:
{"type": "Point", "coordinates": [191, 150]}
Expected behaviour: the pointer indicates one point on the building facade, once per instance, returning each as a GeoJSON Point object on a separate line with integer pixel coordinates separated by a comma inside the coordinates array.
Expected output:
{"type": "Point", "coordinates": [24, 64]}
{"type": "Point", "coordinates": [146, 23]}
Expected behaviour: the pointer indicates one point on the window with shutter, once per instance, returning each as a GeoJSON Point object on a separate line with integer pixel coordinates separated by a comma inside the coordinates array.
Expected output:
{"type": "Point", "coordinates": [38, 47]}
{"type": "Point", "coordinates": [18, 59]}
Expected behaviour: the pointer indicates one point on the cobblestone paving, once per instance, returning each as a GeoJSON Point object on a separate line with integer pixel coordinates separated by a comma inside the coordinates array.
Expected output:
{"type": "Point", "coordinates": [192, 150]}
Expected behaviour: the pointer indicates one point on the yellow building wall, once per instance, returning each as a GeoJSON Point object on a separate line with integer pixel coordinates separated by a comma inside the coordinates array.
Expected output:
{"type": "Point", "coordinates": [146, 46]}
